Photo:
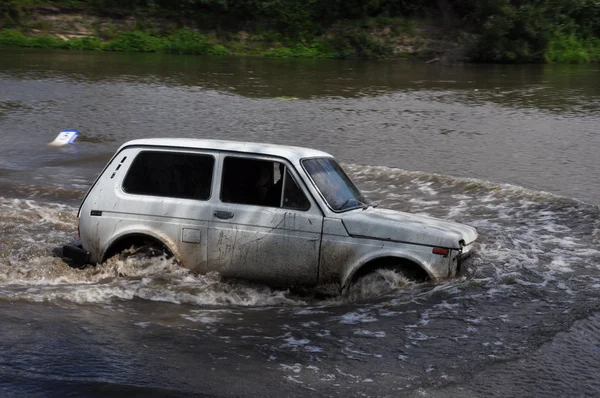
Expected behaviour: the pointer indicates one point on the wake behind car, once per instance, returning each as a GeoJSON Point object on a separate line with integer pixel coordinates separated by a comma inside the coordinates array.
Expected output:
{"type": "Point", "coordinates": [276, 214]}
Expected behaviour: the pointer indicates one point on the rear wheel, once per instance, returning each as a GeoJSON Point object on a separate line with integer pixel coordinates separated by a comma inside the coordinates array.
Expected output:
{"type": "Point", "coordinates": [139, 259]}
{"type": "Point", "coordinates": [137, 247]}
{"type": "Point", "coordinates": [144, 251]}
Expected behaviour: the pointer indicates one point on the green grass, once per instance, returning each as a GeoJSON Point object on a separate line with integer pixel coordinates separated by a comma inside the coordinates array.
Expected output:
{"type": "Point", "coordinates": [12, 38]}
{"type": "Point", "coordinates": [188, 42]}
{"type": "Point", "coordinates": [85, 44]}
{"type": "Point", "coordinates": [314, 50]}
{"type": "Point", "coordinates": [180, 42]}
{"type": "Point", "coordinates": [567, 49]}
{"type": "Point", "coordinates": [594, 49]}
{"type": "Point", "coordinates": [136, 41]}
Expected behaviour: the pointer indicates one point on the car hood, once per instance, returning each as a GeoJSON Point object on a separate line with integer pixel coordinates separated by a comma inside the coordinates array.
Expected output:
{"type": "Point", "coordinates": [406, 227]}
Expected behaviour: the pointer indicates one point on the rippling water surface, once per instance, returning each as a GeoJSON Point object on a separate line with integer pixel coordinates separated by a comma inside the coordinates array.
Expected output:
{"type": "Point", "coordinates": [509, 150]}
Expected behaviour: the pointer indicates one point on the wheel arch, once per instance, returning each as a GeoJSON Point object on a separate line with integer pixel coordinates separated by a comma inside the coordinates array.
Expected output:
{"type": "Point", "coordinates": [125, 240]}
{"type": "Point", "coordinates": [389, 260]}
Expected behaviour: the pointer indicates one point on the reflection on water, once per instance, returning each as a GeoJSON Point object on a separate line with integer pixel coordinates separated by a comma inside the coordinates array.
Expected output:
{"type": "Point", "coordinates": [530, 85]}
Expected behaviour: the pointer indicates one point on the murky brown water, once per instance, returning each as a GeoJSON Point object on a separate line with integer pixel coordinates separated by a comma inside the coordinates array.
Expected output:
{"type": "Point", "coordinates": [452, 142]}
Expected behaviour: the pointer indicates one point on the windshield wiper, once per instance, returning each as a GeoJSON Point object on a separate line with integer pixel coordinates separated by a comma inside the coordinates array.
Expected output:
{"type": "Point", "coordinates": [359, 204]}
{"type": "Point", "coordinates": [369, 204]}
{"type": "Point", "coordinates": [345, 203]}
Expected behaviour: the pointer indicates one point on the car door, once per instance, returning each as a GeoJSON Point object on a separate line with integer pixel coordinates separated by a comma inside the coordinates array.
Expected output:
{"type": "Point", "coordinates": [164, 194]}
{"type": "Point", "coordinates": [264, 226]}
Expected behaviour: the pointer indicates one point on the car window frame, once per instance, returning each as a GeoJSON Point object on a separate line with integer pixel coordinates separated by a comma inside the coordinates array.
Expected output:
{"type": "Point", "coordinates": [316, 187]}
{"type": "Point", "coordinates": [271, 158]}
{"type": "Point", "coordinates": [214, 157]}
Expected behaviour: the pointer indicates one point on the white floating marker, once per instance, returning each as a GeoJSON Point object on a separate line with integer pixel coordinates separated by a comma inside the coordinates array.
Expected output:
{"type": "Point", "coordinates": [65, 137]}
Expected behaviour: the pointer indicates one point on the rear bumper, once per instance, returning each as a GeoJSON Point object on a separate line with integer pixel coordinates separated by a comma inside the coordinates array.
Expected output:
{"type": "Point", "coordinates": [77, 254]}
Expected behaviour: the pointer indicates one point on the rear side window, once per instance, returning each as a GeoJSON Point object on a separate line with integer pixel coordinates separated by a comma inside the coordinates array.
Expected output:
{"type": "Point", "coordinates": [170, 174]}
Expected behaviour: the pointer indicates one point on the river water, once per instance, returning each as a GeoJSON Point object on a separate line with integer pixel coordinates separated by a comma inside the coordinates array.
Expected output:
{"type": "Point", "coordinates": [511, 150]}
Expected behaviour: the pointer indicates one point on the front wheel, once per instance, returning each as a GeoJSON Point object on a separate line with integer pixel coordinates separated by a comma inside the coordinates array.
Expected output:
{"type": "Point", "coordinates": [376, 283]}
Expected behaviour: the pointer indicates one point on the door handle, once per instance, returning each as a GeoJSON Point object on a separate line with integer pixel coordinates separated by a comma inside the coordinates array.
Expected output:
{"type": "Point", "coordinates": [223, 215]}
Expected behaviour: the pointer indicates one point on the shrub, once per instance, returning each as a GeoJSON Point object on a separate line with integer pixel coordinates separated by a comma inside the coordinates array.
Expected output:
{"type": "Point", "coordinates": [594, 49]}
{"type": "Point", "coordinates": [187, 42]}
{"type": "Point", "coordinates": [219, 49]}
{"type": "Point", "coordinates": [46, 42]}
{"type": "Point", "coordinates": [280, 52]}
{"type": "Point", "coordinates": [298, 51]}
{"type": "Point", "coordinates": [135, 41]}
{"type": "Point", "coordinates": [84, 43]}
{"type": "Point", "coordinates": [12, 37]}
{"type": "Point", "coordinates": [566, 49]}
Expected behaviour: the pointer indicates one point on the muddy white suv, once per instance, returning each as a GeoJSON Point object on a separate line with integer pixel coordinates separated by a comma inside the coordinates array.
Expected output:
{"type": "Point", "coordinates": [276, 214]}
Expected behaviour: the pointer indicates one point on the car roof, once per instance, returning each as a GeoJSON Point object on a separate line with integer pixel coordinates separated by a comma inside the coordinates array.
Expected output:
{"type": "Point", "coordinates": [291, 153]}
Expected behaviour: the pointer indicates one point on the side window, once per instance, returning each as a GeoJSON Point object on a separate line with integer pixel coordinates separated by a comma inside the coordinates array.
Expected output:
{"type": "Point", "coordinates": [293, 197]}
{"type": "Point", "coordinates": [170, 174]}
{"type": "Point", "coordinates": [261, 183]}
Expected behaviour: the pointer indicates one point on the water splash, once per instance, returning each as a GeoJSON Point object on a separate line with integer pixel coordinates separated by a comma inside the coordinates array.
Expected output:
{"type": "Point", "coordinates": [528, 238]}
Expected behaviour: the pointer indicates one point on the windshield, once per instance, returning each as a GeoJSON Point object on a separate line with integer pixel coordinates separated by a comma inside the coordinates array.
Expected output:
{"type": "Point", "coordinates": [335, 186]}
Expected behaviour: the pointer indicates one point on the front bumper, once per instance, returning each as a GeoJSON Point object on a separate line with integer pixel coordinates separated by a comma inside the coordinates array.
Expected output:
{"type": "Point", "coordinates": [78, 256]}
{"type": "Point", "coordinates": [467, 251]}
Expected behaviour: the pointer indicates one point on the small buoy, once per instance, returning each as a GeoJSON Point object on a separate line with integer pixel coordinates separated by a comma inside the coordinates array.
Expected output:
{"type": "Point", "coordinates": [65, 137]}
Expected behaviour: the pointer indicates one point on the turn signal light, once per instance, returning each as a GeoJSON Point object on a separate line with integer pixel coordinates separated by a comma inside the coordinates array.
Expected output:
{"type": "Point", "coordinates": [440, 251]}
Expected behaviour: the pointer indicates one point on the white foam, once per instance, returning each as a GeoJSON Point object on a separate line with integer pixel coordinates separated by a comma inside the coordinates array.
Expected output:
{"type": "Point", "coordinates": [361, 353]}
{"type": "Point", "coordinates": [291, 341]}
{"type": "Point", "coordinates": [206, 319]}
{"type": "Point", "coordinates": [312, 348]}
{"type": "Point", "coordinates": [419, 336]}
{"type": "Point", "coordinates": [353, 318]}
{"type": "Point", "coordinates": [156, 280]}
{"type": "Point", "coordinates": [296, 368]}
{"type": "Point", "coordinates": [368, 333]}
{"type": "Point", "coordinates": [425, 187]}
{"type": "Point", "coordinates": [422, 202]}
{"type": "Point", "coordinates": [559, 264]}
{"type": "Point", "coordinates": [309, 324]}
{"type": "Point", "coordinates": [309, 311]}
{"type": "Point", "coordinates": [293, 379]}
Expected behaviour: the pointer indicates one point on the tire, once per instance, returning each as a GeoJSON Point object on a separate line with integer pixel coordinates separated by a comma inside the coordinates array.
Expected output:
{"type": "Point", "coordinates": [377, 283]}
{"type": "Point", "coordinates": [142, 251]}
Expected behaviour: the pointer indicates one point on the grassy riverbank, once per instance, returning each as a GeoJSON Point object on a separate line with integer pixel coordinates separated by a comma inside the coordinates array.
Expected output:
{"type": "Point", "coordinates": [508, 31]}
{"type": "Point", "coordinates": [185, 41]}
{"type": "Point", "coordinates": [147, 32]}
